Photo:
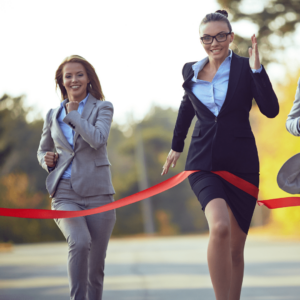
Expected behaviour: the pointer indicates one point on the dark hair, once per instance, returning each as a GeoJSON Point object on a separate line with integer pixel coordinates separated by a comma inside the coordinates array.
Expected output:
{"type": "Point", "coordinates": [219, 15]}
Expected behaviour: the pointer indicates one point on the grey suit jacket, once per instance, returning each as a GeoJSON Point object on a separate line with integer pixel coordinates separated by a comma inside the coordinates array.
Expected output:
{"type": "Point", "coordinates": [90, 174]}
{"type": "Point", "coordinates": [292, 120]}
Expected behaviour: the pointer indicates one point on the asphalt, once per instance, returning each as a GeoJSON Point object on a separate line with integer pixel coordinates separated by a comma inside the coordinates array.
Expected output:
{"type": "Point", "coordinates": [153, 268]}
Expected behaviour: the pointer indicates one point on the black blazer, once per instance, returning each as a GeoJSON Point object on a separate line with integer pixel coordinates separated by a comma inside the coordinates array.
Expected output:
{"type": "Point", "coordinates": [225, 142]}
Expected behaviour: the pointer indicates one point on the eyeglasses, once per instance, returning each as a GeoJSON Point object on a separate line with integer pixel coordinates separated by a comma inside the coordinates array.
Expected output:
{"type": "Point", "coordinates": [220, 37]}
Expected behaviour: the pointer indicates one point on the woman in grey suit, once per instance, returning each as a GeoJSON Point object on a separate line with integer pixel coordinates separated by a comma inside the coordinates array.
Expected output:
{"type": "Point", "coordinates": [73, 151]}
{"type": "Point", "coordinates": [293, 120]}
{"type": "Point", "coordinates": [288, 177]}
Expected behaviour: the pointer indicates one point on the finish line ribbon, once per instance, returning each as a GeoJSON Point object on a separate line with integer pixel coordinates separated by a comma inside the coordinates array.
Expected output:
{"type": "Point", "coordinates": [152, 191]}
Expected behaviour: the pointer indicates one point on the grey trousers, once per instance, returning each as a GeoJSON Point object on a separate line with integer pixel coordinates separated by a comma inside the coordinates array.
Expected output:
{"type": "Point", "coordinates": [87, 238]}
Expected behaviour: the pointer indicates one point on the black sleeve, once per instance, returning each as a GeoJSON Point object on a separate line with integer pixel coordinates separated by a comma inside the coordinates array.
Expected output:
{"type": "Point", "coordinates": [264, 94]}
{"type": "Point", "coordinates": [185, 116]}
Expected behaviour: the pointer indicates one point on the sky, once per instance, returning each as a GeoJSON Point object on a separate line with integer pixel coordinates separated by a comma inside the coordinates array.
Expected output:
{"type": "Point", "coordinates": [137, 47]}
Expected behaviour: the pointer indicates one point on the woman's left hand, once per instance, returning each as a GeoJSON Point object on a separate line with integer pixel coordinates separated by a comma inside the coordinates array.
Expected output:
{"type": "Point", "coordinates": [72, 105]}
{"type": "Point", "coordinates": [253, 54]}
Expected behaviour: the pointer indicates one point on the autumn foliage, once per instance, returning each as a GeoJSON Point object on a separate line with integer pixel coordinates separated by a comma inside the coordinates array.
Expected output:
{"type": "Point", "coordinates": [275, 146]}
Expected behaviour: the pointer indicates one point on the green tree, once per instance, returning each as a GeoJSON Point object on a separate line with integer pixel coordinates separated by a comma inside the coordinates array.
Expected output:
{"type": "Point", "coordinates": [19, 142]}
{"type": "Point", "coordinates": [178, 206]}
{"type": "Point", "coordinates": [276, 22]}
{"type": "Point", "coordinates": [22, 180]}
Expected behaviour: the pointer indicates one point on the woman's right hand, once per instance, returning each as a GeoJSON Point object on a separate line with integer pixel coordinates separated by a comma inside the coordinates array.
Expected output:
{"type": "Point", "coordinates": [51, 159]}
{"type": "Point", "coordinates": [171, 159]}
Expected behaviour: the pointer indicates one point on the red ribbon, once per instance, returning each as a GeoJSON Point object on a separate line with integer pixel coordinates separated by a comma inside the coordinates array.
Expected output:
{"type": "Point", "coordinates": [152, 191]}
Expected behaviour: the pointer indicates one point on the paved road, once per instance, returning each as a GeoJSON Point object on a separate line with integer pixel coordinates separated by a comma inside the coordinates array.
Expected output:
{"type": "Point", "coordinates": [158, 268]}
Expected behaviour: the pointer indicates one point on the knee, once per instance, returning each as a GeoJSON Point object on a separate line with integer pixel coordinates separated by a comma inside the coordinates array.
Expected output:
{"type": "Point", "coordinates": [80, 245]}
{"type": "Point", "coordinates": [220, 230]}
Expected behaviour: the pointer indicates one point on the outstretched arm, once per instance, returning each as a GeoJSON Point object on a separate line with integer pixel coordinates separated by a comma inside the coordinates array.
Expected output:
{"type": "Point", "coordinates": [185, 116]}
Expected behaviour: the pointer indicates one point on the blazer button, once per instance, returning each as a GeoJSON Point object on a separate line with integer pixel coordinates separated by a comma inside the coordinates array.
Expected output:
{"type": "Point", "coordinates": [216, 119]}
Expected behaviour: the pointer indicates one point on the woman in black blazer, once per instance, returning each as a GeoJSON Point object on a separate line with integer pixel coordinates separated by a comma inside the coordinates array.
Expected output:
{"type": "Point", "coordinates": [219, 91]}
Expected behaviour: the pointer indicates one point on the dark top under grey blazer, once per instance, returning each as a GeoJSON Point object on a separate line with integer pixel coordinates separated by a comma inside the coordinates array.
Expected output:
{"type": "Point", "coordinates": [225, 142]}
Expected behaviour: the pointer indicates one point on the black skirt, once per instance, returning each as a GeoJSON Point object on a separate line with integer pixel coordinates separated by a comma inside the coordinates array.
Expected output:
{"type": "Point", "coordinates": [208, 186]}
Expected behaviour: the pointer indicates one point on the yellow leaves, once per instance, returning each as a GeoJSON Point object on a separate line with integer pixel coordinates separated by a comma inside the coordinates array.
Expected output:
{"type": "Point", "coordinates": [16, 186]}
{"type": "Point", "coordinates": [287, 220]}
{"type": "Point", "coordinates": [16, 191]}
{"type": "Point", "coordinates": [276, 145]}
{"type": "Point", "coordinates": [164, 223]}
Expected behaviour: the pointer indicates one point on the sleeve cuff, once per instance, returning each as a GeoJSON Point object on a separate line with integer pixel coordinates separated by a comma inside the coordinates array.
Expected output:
{"type": "Point", "coordinates": [178, 147]}
{"type": "Point", "coordinates": [257, 71]}
{"type": "Point", "coordinates": [70, 118]}
{"type": "Point", "coordinates": [50, 169]}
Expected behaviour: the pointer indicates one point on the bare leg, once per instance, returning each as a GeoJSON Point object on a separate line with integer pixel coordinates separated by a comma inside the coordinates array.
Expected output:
{"type": "Point", "coordinates": [219, 254]}
{"type": "Point", "coordinates": [238, 239]}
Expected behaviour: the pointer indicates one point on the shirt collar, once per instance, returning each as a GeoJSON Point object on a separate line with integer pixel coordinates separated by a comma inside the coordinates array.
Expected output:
{"type": "Point", "coordinates": [83, 102]}
{"type": "Point", "coordinates": [201, 63]}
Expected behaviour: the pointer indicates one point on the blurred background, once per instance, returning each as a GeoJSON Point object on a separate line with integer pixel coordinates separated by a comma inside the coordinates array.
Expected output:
{"type": "Point", "coordinates": [138, 49]}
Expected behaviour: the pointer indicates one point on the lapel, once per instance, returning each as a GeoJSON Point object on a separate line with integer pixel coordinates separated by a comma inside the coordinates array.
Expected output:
{"type": "Point", "coordinates": [188, 78]}
{"type": "Point", "coordinates": [234, 76]}
{"type": "Point", "coordinates": [57, 127]}
{"type": "Point", "coordinates": [187, 87]}
{"type": "Point", "coordinates": [87, 110]}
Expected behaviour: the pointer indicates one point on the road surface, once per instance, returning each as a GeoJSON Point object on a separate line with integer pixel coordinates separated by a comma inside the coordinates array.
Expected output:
{"type": "Point", "coordinates": [155, 268]}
